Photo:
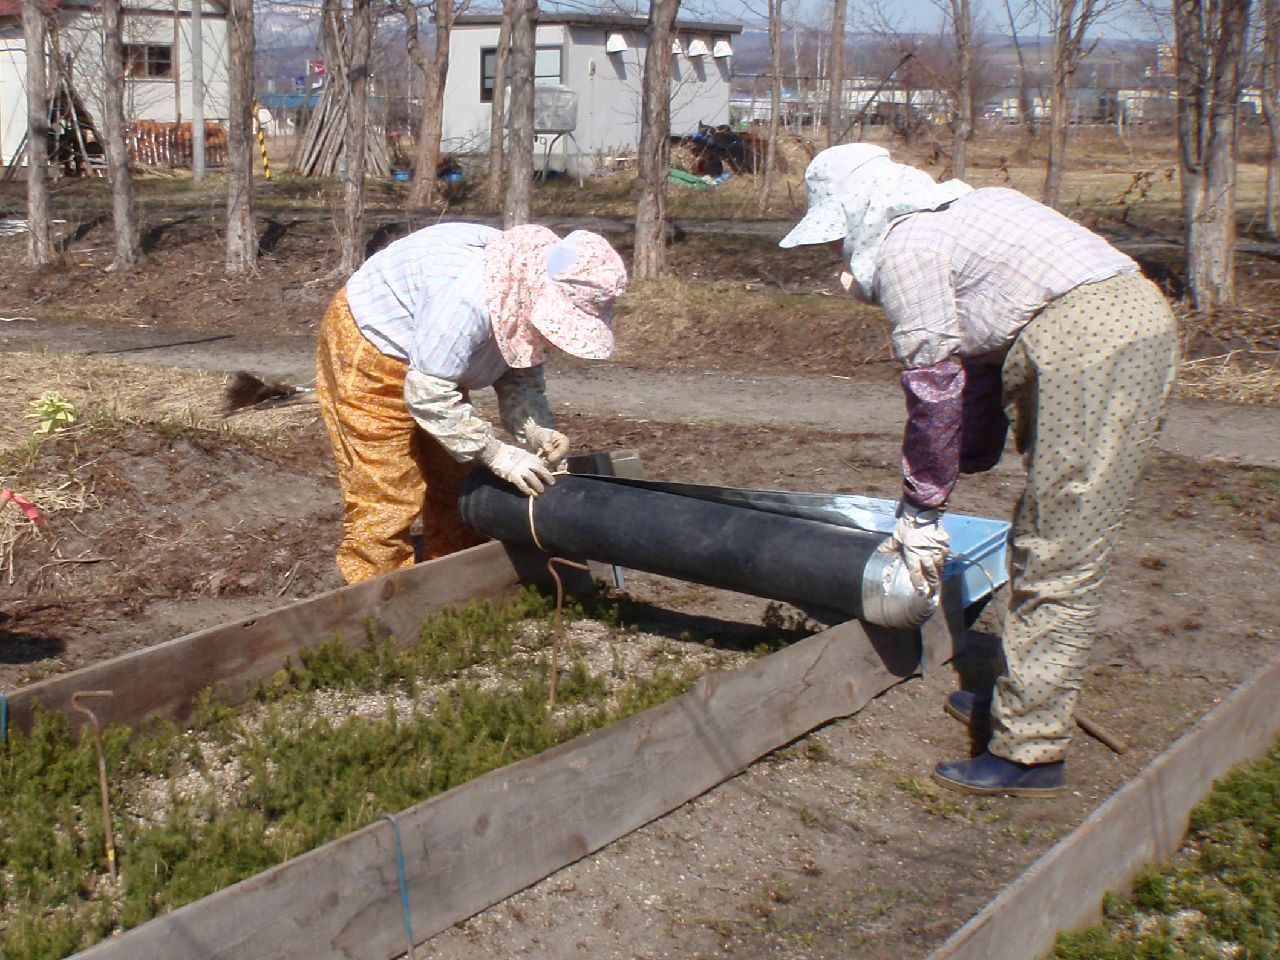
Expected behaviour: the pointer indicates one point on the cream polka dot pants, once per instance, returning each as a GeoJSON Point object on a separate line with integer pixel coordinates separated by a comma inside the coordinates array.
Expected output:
{"type": "Point", "coordinates": [1085, 386]}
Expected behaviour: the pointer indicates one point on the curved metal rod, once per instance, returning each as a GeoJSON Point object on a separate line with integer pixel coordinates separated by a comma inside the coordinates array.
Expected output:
{"type": "Point", "coordinates": [557, 627]}
{"type": "Point", "coordinates": [102, 769]}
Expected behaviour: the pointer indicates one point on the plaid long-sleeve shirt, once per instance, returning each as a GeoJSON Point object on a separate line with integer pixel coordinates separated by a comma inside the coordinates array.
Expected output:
{"type": "Point", "coordinates": [957, 286]}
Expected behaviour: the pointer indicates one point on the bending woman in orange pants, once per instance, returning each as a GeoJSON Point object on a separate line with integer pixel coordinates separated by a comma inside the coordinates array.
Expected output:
{"type": "Point", "coordinates": [446, 310]}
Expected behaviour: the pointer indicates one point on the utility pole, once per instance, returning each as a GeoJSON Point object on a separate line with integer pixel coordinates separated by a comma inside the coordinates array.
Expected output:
{"type": "Point", "coordinates": [197, 93]}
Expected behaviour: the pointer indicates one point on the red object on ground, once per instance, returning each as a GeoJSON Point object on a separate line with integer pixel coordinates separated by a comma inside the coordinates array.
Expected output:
{"type": "Point", "coordinates": [26, 506]}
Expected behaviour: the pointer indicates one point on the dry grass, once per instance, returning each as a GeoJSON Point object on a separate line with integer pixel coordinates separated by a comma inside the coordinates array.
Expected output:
{"type": "Point", "coordinates": [110, 389]}
{"type": "Point", "coordinates": [1111, 174]}
{"type": "Point", "coordinates": [68, 496]}
{"type": "Point", "coordinates": [101, 391]}
{"type": "Point", "coordinates": [1233, 377]}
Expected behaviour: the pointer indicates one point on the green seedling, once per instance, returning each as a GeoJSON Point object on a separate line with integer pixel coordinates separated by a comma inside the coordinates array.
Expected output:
{"type": "Point", "coordinates": [52, 412]}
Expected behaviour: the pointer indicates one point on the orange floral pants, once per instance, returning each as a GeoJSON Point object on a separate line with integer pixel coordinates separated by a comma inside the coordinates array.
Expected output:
{"type": "Point", "coordinates": [389, 469]}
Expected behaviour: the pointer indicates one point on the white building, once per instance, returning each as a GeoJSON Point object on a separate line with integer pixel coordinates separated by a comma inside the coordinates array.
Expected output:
{"type": "Point", "coordinates": [157, 38]}
{"type": "Point", "coordinates": [598, 62]}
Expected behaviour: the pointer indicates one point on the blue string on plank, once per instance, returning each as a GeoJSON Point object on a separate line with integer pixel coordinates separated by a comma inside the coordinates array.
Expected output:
{"type": "Point", "coordinates": [404, 884]}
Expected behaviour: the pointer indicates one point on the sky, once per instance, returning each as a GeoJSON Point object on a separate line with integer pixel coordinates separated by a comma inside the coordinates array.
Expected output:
{"type": "Point", "coordinates": [913, 16]}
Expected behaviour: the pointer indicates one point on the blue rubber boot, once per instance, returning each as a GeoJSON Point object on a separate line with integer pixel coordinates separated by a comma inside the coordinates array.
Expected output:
{"type": "Point", "coordinates": [988, 775]}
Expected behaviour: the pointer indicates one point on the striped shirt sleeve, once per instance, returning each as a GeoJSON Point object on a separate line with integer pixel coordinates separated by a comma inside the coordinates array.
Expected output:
{"type": "Point", "coordinates": [917, 291]}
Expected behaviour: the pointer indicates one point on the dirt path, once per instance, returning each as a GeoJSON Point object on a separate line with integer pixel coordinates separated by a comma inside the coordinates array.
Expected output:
{"type": "Point", "coordinates": [1198, 429]}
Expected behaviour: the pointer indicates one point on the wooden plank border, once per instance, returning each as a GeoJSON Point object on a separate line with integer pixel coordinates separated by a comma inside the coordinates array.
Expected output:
{"type": "Point", "coordinates": [487, 839]}
{"type": "Point", "coordinates": [1143, 823]}
{"type": "Point", "coordinates": [163, 680]}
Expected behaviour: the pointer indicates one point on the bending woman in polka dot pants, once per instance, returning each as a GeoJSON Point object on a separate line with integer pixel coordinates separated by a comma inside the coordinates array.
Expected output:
{"type": "Point", "coordinates": [1001, 310]}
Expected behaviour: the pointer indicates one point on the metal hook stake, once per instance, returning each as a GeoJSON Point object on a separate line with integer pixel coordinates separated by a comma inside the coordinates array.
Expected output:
{"type": "Point", "coordinates": [102, 769]}
{"type": "Point", "coordinates": [557, 630]}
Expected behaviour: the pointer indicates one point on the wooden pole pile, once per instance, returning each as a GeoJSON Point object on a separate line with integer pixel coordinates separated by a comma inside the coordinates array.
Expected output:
{"type": "Point", "coordinates": [320, 148]}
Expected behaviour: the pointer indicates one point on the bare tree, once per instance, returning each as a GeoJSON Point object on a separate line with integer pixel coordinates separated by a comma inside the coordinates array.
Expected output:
{"type": "Point", "coordinates": [35, 31]}
{"type": "Point", "coordinates": [524, 27]}
{"type": "Point", "coordinates": [653, 158]}
{"type": "Point", "coordinates": [348, 47]}
{"type": "Point", "coordinates": [1026, 111]}
{"type": "Point", "coordinates": [117, 149]}
{"type": "Point", "coordinates": [498, 114]}
{"type": "Point", "coordinates": [1210, 39]}
{"type": "Point", "coordinates": [962, 30]}
{"type": "Point", "coordinates": [242, 235]}
{"type": "Point", "coordinates": [944, 63]}
{"type": "Point", "coordinates": [1270, 83]}
{"type": "Point", "coordinates": [775, 103]}
{"type": "Point", "coordinates": [835, 72]}
{"type": "Point", "coordinates": [1070, 19]}
{"type": "Point", "coordinates": [435, 70]}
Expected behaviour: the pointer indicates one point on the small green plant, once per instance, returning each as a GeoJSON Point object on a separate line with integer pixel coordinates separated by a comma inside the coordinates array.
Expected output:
{"type": "Point", "coordinates": [52, 412]}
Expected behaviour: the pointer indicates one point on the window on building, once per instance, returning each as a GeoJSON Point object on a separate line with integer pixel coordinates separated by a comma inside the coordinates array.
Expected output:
{"type": "Point", "coordinates": [148, 61]}
{"type": "Point", "coordinates": [546, 69]}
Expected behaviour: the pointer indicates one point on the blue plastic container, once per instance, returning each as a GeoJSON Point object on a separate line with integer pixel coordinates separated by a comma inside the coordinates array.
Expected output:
{"type": "Point", "coordinates": [978, 544]}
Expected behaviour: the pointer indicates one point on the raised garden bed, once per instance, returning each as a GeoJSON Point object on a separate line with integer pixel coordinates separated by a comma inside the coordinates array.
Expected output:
{"type": "Point", "coordinates": [281, 790]}
{"type": "Point", "coordinates": [325, 745]}
{"type": "Point", "coordinates": [478, 842]}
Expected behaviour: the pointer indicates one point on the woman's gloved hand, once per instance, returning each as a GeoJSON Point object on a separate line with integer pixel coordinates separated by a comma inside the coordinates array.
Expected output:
{"type": "Point", "coordinates": [524, 470]}
{"type": "Point", "coordinates": [923, 544]}
{"type": "Point", "coordinates": [551, 445]}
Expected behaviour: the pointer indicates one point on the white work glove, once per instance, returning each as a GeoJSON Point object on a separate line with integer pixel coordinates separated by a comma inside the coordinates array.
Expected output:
{"type": "Point", "coordinates": [923, 544]}
{"type": "Point", "coordinates": [524, 470]}
{"type": "Point", "coordinates": [551, 445]}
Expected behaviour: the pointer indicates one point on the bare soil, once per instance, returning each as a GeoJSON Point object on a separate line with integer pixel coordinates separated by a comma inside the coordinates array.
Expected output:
{"type": "Point", "coordinates": [836, 846]}
{"type": "Point", "coordinates": [178, 532]}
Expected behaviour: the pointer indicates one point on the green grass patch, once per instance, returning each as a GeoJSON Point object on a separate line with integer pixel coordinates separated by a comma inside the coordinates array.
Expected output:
{"type": "Point", "coordinates": [1219, 897]}
{"type": "Point", "coordinates": [327, 745]}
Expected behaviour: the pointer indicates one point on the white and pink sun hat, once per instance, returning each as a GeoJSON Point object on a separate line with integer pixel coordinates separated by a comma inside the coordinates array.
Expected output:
{"type": "Point", "coordinates": [545, 292]}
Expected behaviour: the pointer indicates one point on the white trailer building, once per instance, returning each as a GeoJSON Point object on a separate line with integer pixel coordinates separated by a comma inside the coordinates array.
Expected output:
{"type": "Point", "coordinates": [597, 62]}
{"type": "Point", "coordinates": [158, 76]}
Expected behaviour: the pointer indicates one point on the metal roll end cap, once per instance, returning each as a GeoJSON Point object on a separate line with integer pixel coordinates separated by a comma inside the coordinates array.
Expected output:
{"type": "Point", "coordinates": [889, 599]}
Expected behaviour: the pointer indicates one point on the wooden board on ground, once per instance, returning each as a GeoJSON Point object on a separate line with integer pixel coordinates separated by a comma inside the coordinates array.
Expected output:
{"type": "Point", "coordinates": [1143, 823]}
{"type": "Point", "coordinates": [162, 681]}
{"type": "Point", "coordinates": [485, 840]}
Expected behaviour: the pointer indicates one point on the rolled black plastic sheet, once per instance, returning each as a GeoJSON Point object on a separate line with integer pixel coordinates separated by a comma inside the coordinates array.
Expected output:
{"type": "Point", "coordinates": [637, 525]}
